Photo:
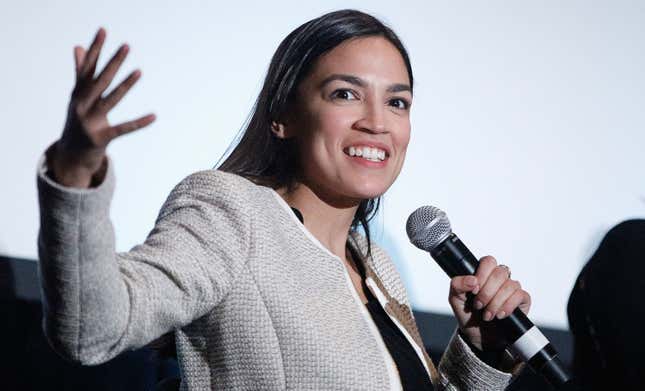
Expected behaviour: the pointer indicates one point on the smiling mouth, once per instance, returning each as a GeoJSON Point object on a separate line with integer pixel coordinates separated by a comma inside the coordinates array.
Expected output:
{"type": "Point", "coordinates": [367, 153]}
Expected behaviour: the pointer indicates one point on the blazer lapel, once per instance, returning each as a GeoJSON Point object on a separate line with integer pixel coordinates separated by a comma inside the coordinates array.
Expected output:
{"type": "Point", "coordinates": [401, 316]}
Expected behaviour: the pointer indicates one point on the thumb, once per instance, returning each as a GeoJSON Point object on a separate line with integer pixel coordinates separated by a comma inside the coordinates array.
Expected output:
{"type": "Point", "coordinates": [461, 285]}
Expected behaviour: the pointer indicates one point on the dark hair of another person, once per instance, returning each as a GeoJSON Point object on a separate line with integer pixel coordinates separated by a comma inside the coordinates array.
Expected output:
{"type": "Point", "coordinates": [262, 157]}
{"type": "Point", "coordinates": [271, 161]}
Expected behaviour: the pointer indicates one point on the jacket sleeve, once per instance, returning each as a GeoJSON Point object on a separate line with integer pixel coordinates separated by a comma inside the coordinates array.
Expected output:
{"type": "Point", "coordinates": [97, 302]}
{"type": "Point", "coordinates": [461, 369]}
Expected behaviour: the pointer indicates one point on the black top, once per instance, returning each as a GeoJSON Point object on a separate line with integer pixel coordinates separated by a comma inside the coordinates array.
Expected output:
{"type": "Point", "coordinates": [411, 370]}
{"type": "Point", "coordinates": [413, 374]}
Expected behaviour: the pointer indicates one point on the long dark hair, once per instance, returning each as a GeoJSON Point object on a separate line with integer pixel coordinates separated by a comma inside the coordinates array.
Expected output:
{"type": "Point", "coordinates": [271, 161]}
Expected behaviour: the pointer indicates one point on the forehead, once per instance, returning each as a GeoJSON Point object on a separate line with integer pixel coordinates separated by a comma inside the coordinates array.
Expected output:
{"type": "Point", "coordinates": [373, 58]}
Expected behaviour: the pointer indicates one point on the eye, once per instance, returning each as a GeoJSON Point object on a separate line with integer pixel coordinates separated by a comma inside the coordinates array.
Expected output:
{"type": "Point", "coordinates": [344, 94]}
{"type": "Point", "coordinates": [400, 103]}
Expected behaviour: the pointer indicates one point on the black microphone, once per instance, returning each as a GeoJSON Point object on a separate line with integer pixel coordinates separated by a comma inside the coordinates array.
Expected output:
{"type": "Point", "coordinates": [429, 229]}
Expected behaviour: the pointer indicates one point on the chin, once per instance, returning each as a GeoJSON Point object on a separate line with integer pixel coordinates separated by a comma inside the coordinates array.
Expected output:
{"type": "Point", "coordinates": [368, 190]}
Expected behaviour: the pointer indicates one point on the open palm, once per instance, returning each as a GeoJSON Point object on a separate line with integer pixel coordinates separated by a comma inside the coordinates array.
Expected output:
{"type": "Point", "coordinates": [80, 152]}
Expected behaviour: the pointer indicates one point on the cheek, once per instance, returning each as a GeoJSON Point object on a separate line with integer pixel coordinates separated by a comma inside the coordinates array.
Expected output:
{"type": "Point", "coordinates": [319, 139]}
{"type": "Point", "coordinates": [328, 128]}
{"type": "Point", "coordinates": [402, 138]}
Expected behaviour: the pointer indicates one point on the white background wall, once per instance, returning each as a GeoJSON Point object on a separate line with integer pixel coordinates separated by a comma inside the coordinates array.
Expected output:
{"type": "Point", "coordinates": [528, 125]}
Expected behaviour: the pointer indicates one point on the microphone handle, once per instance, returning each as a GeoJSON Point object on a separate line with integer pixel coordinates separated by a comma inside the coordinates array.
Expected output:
{"type": "Point", "coordinates": [525, 339]}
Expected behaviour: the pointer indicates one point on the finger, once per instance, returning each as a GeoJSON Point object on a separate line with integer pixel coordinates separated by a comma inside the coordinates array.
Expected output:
{"type": "Point", "coordinates": [130, 126]}
{"type": "Point", "coordinates": [105, 78]}
{"type": "Point", "coordinates": [486, 266]}
{"type": "Point", "coordinates": [106, 104]}
{"type": "Point", "coordinates": [493, 283]}
{"type": "Point", "coordinates": [494, 307]}
{"type": "Point", "coordinates": [525, 304]}
{"type": "Point", "coordinates": [461, 285]}
{"type": "Point", "coordinates": [89, 65]}
{"type": "Point", "coordinates": [79, 57]}
{"type": "Point", "coordinates": [519, 299]}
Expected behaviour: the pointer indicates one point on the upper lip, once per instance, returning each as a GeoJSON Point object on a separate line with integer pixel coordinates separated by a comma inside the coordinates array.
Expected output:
{"type": "Point", "coordinates": [366, 143]}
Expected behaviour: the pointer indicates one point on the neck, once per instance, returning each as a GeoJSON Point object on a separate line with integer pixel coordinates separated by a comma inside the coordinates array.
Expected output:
{"type": "Point", "coordinates": [327, 219]}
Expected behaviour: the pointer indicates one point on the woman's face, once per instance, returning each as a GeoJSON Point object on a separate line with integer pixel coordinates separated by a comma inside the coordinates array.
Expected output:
{"type": "Point", "coordinates": [351, 120]}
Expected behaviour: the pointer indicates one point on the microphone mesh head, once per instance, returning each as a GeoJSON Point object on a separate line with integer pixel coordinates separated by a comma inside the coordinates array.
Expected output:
{"type": "Point", "coordinates": [427, 227]}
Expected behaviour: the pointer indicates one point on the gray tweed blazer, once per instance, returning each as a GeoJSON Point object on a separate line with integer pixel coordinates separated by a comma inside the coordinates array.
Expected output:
{"type": "Point", "coordinates": [256, 302]}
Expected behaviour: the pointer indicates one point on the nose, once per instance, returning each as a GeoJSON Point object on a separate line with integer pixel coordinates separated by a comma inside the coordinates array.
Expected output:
{"type": "Point", "coordinates": [372, 119]}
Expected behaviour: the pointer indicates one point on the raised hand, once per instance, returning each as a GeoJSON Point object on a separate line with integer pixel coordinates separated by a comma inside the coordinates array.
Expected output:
{"type": "Point", "coordinates": [78, 158]}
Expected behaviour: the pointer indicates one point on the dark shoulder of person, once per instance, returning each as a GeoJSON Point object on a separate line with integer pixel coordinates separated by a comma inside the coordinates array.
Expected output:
{"type": "Point", "coordinates": [606, 314]}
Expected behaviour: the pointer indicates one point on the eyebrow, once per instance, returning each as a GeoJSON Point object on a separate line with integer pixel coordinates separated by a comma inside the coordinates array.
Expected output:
{"type": "Point", "coordinates": [357, 81]}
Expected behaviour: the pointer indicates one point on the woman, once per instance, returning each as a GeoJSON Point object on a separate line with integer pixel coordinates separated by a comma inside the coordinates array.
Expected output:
{"type": "Point", "coordinates": [258, 266]}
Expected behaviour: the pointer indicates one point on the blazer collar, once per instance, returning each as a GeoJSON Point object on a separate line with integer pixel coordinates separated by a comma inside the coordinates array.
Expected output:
{"type": "Point", "coordinates": [401, 314]}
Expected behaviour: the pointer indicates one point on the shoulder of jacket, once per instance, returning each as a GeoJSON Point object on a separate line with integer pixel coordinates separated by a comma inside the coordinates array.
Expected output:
{"type": "Point", "coordinates": [629, 230]}
{"type": "Point", "coordinates": [215, 178]}
{"type": "Point", "coordinates": [216, 184]}
{"type": "Point", "coordinates": [216, 188]}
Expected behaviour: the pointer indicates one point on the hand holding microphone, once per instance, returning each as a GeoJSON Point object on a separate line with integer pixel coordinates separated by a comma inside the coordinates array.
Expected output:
{"type": "Point", "coordinates": [493, 296]}
{"type": "Point", "coordinates": [498, 304]}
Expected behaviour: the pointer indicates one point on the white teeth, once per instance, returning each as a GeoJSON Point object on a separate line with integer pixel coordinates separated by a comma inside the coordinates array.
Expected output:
{"type": "Point", "coordinates": [372, 154]}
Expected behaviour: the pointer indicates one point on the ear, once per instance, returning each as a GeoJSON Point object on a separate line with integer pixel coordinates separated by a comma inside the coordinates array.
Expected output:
{"type": "Point", "coordinates": [279, 130]}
